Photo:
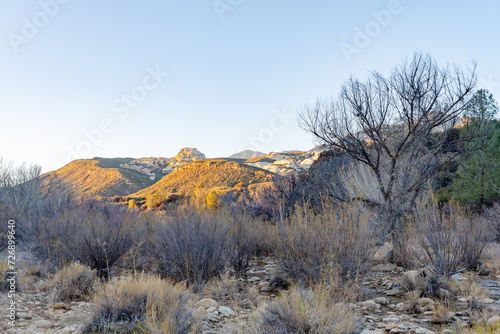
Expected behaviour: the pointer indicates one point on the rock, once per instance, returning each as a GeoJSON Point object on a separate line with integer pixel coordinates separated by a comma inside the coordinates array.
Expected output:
{"type": "Point", "coordinates": [246, 304]}
{"type": "Point", "coordinates": [443, 293]}
{"type": "Point", "coordinates": [187, 154]}
{"type": "Point", "coordinates": [254, 279]}
{"type": "Point", "coordinates": [226, 311]}
{"type": "Point", "coordinates": [493, 320]}
{"type": "Point", "coordinates": [43, 324]}
{"type": "Point", "coordinates": [23, 315]}
{"type": "Point", "coordinates": [206, 303]}
{"type": "Point", "coordinates": [422, 302]}
{"type": "Point", "coordinates": [61, 306]}
{"type": "Point", "coordinates": [266, 288]}
{"type": "Point", "coordinates": [390, 326]}
{"type": "Point", "coordinates": [200, 313]}
{"type": "Point", "coordinates": [371, 306]}
{"type": "Point", "coordinates": [381, 300]}
{"type": "Point", "coordinates": [393, 292]}
{"type": "Point", "coordinates": [422, 330]}
{"type": "Point", "coordinates": [396, 330]}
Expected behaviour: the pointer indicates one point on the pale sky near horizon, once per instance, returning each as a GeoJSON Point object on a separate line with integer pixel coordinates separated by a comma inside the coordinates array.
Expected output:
{"type": "Point", "coordinates": [136, 79]}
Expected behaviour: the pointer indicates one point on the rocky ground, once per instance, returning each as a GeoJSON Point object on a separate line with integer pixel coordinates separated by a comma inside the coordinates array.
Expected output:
{"type": "Point", "coordinates": [387, 307]}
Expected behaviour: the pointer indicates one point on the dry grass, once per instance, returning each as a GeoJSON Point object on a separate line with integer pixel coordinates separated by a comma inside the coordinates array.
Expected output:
{"type": "Point", "coordinates": [302, 310]}
{"type": "Point", "coordinates": [413, 281]}
{"type": "Point", "coordinates": [146, 305]}
{"type": "Point", "coordinates": [480, 329]}
{"type": "Point", "coordinates": [442, 314]}
{"type": "Point", "coordinates": [230, 292]}
{"type": "Point", "coordinates": [473, 291]}
{"type": "Point", "coordinates": [74, 281]}
{"type": "Point", "coordinates": [492, 258]}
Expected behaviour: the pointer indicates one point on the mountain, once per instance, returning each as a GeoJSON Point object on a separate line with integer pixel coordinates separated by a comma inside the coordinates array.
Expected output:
{"type": "Point", "coordinates": [288, 162]}
{"type": "Point", "coordinates": [182, 173]}
{"type": "Point", "coordinates": [211, 174]}
{"type": "Point", "coordinates": [156, 168]}
{"type": "Point", "coordinates": [247, 154]}
{"type": "Point", "coordinates": [99, 177]}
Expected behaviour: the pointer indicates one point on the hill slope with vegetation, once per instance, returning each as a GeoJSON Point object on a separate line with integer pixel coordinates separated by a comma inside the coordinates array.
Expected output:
{"type": "Point", "coordinates": [99, 177]}
{"type": "Point", "coordinates": [210, 174]}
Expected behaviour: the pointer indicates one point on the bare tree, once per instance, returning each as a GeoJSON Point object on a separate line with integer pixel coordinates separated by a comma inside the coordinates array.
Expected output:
{"type": "Point", "coordinates": [392, 128]}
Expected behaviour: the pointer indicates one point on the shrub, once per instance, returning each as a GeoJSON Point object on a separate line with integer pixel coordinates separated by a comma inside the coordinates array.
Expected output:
{"type": "Point", "coordinates": [301, 310]}
{"type": "Point", "coordinates": [146, 304]}
{"type": "Point", "coordinates": [91, 233]}
{"type": "Point", "coordinates": [132, 204]}
{"type": "Point", "coordinates": [246, 239]}
{"type": "Point", "coordinates": [213, 200]}
{"type": "Point", "coordinates": [4, 283]}
{"type": "Point", "coordinates": [449, 239]}
{"type": "Point", "coordinates": [155, 200]}
{"type": "Point", "coordinates": [190, 246]}
{"type": "Point", "coordinates": [493, 215]}
{"type": "Point", "coordinates": [338, 238]}
{"type": "Point", "coordinates": [74, 281]}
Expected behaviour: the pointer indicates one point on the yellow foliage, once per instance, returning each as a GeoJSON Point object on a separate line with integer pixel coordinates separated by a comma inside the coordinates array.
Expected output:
{"type": "Point", "coordinates": [213, 200]}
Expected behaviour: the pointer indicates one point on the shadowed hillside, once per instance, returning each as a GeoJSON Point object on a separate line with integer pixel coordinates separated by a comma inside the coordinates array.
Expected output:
{"type": "Point", "coordinates": [210, 174]}
{"type": "Point", "coordinates": [100, 177]}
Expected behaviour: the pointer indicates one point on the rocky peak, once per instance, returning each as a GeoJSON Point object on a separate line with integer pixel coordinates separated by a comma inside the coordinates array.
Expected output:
{"type": "Point", "coordinates": [187, 154]}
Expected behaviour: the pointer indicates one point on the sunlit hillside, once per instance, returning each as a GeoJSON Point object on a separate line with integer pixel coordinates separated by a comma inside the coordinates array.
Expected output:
{"type": "Point", "coordinates": [209, 174]}
{"type": "Point", "coordinates": [100, 177]}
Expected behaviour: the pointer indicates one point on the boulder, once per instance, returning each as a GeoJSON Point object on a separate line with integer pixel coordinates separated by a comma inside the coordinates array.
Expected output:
{"type": "Point", "coordinates": [206, 303]}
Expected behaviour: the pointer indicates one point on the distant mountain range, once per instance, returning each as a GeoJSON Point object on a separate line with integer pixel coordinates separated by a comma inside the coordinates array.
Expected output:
{"type": "Point", "coordinates": [107, 177]}
{"type": "Point", "coordinates": [247, 154]}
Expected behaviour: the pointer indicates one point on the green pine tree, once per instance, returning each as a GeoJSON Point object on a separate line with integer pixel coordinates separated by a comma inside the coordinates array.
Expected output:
{"type": "Point", "coordinates": [478, 178]}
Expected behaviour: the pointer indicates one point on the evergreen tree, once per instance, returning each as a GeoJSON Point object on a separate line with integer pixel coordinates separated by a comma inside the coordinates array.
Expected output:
{"type": "Point", "coordinates": [479, 171]}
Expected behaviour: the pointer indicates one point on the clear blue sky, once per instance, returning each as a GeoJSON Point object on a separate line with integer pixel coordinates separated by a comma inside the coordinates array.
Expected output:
{"type": "Point", "coordinates": [238, 70]}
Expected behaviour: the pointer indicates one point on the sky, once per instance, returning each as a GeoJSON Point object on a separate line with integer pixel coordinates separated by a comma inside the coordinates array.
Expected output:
{"type": "Point", "coordinates": [85, 78]}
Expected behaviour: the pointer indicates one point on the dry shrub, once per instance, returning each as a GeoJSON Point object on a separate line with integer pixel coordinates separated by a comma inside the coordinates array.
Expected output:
{"type": "Point", "coordinates": [308, 310]}
{"type": "Point", "coordinates": [190, 246]}
{"type": "Point", "coordinates": [337, 237]}
{"type": "Point", "coordinates": [195, 246]}
{"type": "Point", "coordinates": [493, 214]}
{"type": "Point", "coordinates": [74, 281]}
{"type": "Point", "coordinates": [449, 238]}
{"type": "Point", "coordinates": [405, 246]}
{"type": "Point", "coordinates": [92, 233]}
{"type": "Point", "coordinates": [4, 283]}
{"type": "Point", "coordinates": [146, 304]}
